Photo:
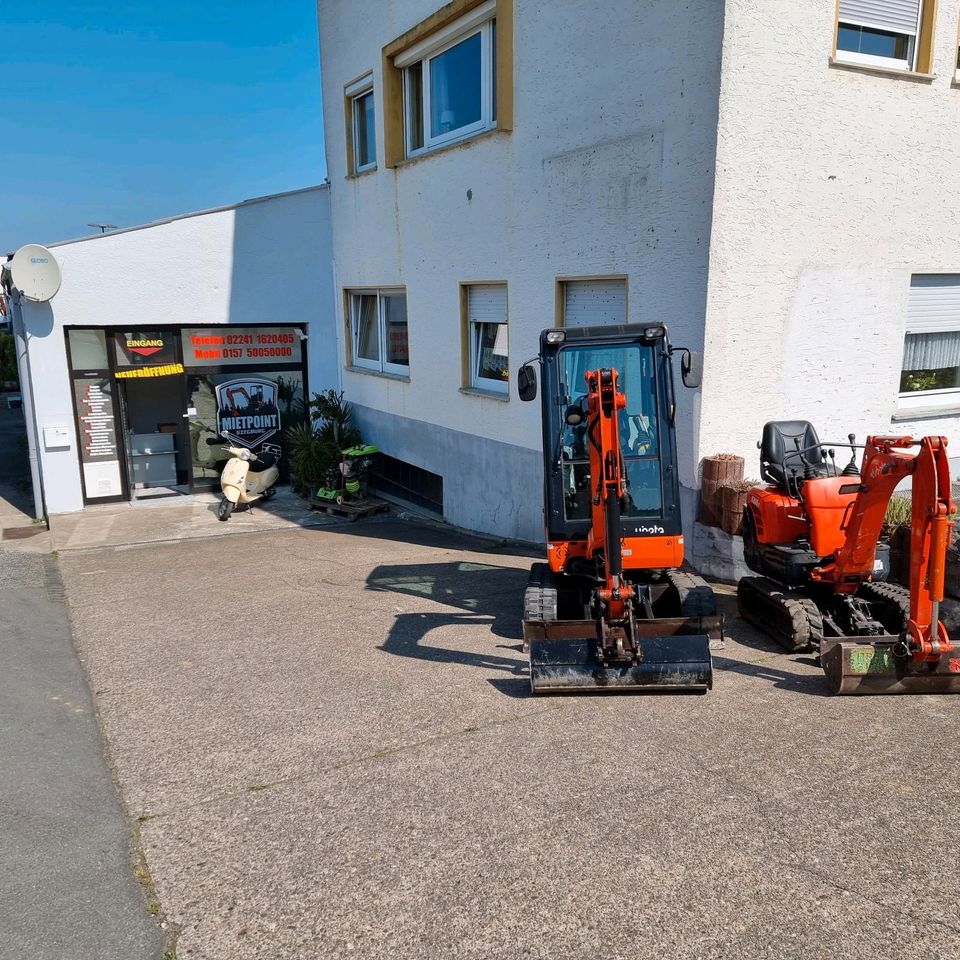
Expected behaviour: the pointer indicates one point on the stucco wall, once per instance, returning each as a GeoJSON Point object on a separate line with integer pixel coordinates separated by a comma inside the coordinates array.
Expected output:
{"type": "Point", "coordinates": [608, 170]}
{"type": "Point", "coordinates": [833, 187]}
{"type": "Point", "coordinates": [265, 261]}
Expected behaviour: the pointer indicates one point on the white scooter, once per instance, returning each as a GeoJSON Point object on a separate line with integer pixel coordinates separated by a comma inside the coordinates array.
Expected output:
{"type": "Point", "coordinates": [246, 478]}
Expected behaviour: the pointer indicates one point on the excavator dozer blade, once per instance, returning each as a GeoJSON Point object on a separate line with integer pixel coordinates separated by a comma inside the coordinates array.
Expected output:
{"type": "Point", "coordinates": [675, 656]}
{"type": "Point", "coordinates": [868, 666]}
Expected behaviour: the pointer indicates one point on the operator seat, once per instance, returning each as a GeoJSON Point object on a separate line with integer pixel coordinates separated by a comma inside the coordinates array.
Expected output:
{"type": "Point", "coordinates": [780, 462]}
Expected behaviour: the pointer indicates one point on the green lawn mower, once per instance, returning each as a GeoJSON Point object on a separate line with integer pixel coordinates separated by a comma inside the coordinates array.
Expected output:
{"type": "Point", "coordinates": [347, 481]}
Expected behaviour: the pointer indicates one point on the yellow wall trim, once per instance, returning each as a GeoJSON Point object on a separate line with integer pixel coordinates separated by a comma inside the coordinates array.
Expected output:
{"type": "Point", "coordinates": [392, 77]}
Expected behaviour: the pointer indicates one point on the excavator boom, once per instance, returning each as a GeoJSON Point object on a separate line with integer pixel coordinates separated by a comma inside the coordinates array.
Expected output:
{"type": "Point", "coordinates": [923, 659]}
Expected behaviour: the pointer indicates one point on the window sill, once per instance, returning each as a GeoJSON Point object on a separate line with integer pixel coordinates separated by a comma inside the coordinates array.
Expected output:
{"type": "Point", "coordinates": [883, 71]}
{"type": "Point", "coordinates": [447, 147]}
{"type": "Point", "coordinates": [367, 372]}
{"type": "Point", "coordinates": [360, 173]}
{"type": "Point", "coordinates": [486, 394]}
{"type": "Point", "coordinates": [905, 414]}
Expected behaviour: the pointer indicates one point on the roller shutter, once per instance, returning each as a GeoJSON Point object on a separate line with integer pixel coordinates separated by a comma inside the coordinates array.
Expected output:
{"type": "Point", "coordinates": [487, 302]}
{"type": "Point", "coordinates": [933, 323]}
{"type": "Point", "coordinates": [897, 16]}
{"type": "Point", "coordinates": [593, 302]}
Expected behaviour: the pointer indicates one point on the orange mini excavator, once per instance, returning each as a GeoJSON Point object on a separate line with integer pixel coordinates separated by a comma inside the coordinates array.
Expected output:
{"type": "Point", "coordinates": [814, 535]}
{"type": "Point", "coordinates": [611, 609]}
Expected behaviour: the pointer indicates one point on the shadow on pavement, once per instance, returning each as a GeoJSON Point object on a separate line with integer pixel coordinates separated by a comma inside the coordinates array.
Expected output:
{"type": "Point", "coordinates": [488, 596]}
{"type": "Point", "coordinates": [813, 686]}
{"type": "Point", "coordinates": [422, 532]}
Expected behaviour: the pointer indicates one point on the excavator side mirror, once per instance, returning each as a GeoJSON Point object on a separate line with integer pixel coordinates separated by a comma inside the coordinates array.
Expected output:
{"type": "Point", "coordinates": [691, 369]}
{"type": "Point", "coordinates": [527, 382]}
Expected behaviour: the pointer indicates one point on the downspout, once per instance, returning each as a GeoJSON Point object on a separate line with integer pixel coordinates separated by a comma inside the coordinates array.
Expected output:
{"type": "Point", "coordinates": [26, 392]}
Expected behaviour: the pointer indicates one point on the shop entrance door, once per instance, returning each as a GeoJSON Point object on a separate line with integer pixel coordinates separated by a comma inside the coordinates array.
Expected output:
{"type": "Point", "coordinates": [155, 434]}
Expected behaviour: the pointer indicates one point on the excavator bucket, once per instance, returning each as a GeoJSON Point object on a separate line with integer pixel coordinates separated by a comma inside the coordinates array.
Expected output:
{"type": "Point", "coordinates": [868, 666]}
{"type": "Point", "coordinates": [674, 654]}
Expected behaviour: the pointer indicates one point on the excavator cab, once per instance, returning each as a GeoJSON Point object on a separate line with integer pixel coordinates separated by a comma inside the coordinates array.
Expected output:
{"type": "Point", "coordinates": [611, 609]}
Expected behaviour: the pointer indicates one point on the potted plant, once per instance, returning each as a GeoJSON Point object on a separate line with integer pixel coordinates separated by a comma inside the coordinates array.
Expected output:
{"type": "Point", "coordinates": [733, 500]}
{"type": "Point", "coordinates": [315, 448]}
{"type": "Point", "coordinates": [896, 529]}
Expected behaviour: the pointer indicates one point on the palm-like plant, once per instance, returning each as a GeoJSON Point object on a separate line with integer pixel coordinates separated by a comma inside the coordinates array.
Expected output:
{"type": "Point", "coordinates": [315, 448]}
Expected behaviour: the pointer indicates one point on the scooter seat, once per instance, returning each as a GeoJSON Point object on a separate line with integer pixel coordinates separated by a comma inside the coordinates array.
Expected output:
{"type": "Point", "coordinates": [263, 462]}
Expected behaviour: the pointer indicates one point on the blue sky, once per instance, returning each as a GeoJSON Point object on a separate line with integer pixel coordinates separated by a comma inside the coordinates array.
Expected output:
{"type": "Point", "coordinates": [125, 112]}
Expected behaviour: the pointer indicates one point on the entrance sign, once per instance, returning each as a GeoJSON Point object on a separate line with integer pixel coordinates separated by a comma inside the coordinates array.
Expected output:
{"type": "Point", "coordinates": [247, 411]}
{"type": "Point", "coordinates": [153, 348]}
{"type": "Point", "coordinates": [240, 346]}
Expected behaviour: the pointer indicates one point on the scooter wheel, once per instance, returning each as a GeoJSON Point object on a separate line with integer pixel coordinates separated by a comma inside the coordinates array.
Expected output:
{"type": "Point", "coordinates": [225, 509]}
{"type": "Point", "coordinates": [270, 493]}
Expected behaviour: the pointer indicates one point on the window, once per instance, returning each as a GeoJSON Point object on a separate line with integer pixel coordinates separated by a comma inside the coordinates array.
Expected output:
{"type": "Point", "coordinates": [638, 423]}
{"type": "Point", "coordinates": [956, 75]}
{"type": "Point", "coordinates": [361, 126]}
{"type": "Point", "coordinates": [487, 337]}
{"type": "Point", "coordinates": [931, 352]}
{"type": "Point", "coordinates": [449, 82]}
{"type": "Point", "coordinates": [378, 330]}
{"type": "Point", "coordinates": [585, 303]}
{"type": "Point", "coordinates": [886, 33]}
{"type": "Point", "coordinates": [405, 481]}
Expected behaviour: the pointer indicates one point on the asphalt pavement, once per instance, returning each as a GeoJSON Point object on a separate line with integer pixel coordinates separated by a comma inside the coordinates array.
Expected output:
{"type": "Point", "coordinates": [328, 740]}
{"type": "Point", "coordinates": [67, 888]}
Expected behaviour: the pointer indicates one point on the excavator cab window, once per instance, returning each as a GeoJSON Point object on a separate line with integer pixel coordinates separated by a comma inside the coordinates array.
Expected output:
{"type": "Point", "coordinates": [639, 429]}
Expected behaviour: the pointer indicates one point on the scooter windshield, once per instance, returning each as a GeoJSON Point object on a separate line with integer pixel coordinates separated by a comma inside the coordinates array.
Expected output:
{"type": "Point", "coordinates": [639, 441]}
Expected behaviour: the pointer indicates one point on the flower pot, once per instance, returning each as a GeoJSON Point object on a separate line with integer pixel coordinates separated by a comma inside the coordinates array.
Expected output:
{"type": "Point", "coordinates": [717, 472]}
{"type": "Point", "coordinates": [732, 502]}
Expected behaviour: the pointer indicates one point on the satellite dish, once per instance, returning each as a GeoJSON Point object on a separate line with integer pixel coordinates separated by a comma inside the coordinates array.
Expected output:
{"type": "Point", "coordinates": [35, 272]}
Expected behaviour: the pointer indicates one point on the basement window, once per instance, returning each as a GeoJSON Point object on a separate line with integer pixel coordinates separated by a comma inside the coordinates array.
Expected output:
{"type": "Point", "coordinates": [449, 82]}
{"type": "Point", "coordinates": [930, 373]}
{"type": "Point", "coordinates": [408, 483]}
{"type": "Point", "coordinates": [885, 33]}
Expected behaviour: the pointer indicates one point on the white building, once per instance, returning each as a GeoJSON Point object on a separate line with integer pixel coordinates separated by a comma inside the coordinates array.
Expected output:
{"type": "Point", "coordinates": [776, 181]}
{"type": "Point", "coordinates": [159, 332]}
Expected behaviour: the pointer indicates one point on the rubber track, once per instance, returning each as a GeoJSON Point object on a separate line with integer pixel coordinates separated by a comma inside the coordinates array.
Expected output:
{"type": "Point", "coordinates": [891, 594]}
{"type": "Point", "coordinates": [790, 618]}
{"type": "Point", "coordinates": [695, 595]}
{"type": "Point", "coordinates": [540, 596]}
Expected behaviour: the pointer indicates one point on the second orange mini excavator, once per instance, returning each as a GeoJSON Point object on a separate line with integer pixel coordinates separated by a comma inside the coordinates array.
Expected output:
{"type": "Point", "coordinates": [813, 533]}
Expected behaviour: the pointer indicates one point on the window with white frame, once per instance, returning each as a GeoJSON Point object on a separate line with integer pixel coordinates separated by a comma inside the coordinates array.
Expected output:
{"type": "Point", "coordinates": [588, 303]}
{"type": "Point", "coordinates": [363, 128]}
{"type": "Point", "coordinates": [931, 352]}
{"type": "Point", "coordinates": [488, 336]}
{"type": "Point", "coordinates": [449, 82]}
{"type": "Point", "coordinates": [378, 330]}
{"type": "Point", "coordinates": [882, 33]}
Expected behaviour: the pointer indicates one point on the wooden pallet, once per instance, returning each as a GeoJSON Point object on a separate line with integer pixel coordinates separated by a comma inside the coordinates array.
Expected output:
{"type": "Point", "coordinates": [351, 509]}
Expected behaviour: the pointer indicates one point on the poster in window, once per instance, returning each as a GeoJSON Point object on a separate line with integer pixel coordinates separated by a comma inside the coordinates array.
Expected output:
{"type": "Point", "coordinates": [240, 346]}
{"type": "Point", "coordinates": [96, 429]}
